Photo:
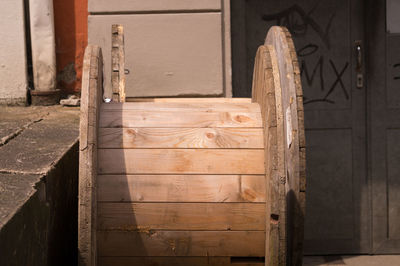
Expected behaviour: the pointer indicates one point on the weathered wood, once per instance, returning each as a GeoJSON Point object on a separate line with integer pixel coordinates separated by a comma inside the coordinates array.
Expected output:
{"type": "Point", "coordinates": [155, 118]}
{"type": "Point", "coordinates": [181, 138]}
{"type": "Point", "coordinates": [183, 107]}
{"type": "Point", "coordinates": [278, 195]}
{"type": "Point", "coordinates": [196, 100]}
{"type": "Point", "coordinates": [118, 62]}
{"type": "Point", "coordinates": [265, 83]}
{"type": "Point", "coordinates": [181, 188]}
{"type": "Point", "coordinates": [181, 161]}
{"type": "Point", "coordinates": [181, 243]}
{"type": "Point", "coordinates": [179, 261]}
{"type": "Point", "coordinates": [181, 216]}
{"type": "Point", "coordinates": [292, 105]}
{"type": "Point", "coordinates": [90, 100]}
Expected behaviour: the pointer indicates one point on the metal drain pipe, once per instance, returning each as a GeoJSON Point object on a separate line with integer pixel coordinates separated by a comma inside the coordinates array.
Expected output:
{"type": "Point", "coordinates": [43, 53]}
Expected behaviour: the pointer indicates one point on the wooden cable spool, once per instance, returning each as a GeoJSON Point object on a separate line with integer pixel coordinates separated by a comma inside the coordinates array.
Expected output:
{"type": "Point", "coordinates": [195, 181]}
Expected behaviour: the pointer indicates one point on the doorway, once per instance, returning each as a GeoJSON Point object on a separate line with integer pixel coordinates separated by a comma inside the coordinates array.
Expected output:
{"type": "Point", "coordinates": [350, 69]}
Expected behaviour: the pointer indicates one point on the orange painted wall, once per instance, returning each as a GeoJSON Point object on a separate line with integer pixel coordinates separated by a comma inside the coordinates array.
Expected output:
{"type": "Point", "coordinates": [70, 19]}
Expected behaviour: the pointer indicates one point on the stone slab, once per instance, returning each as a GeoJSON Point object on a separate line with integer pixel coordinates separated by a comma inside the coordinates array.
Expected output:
{"type": "Point", "coordinates": [15, 190]}
{"type": "Point", "coordinates": [34, 150]}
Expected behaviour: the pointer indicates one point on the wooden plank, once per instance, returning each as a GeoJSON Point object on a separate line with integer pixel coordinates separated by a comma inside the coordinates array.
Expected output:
{"type": "Point", "coordinates": [178, 261]}
{"type": "Point", "coordinates": [155, 118]}
{"type": "Point", "coordinates": [184, 100]}
{"type": "Point", "coordinates": [277, 237]}
{"type": "Point", "coordinates": [181, 138]}
{"type": "Point", "coordinates": [181, 161]}
{"type": "Point", "coordinates": [181, 243]}
{"type": "Point", "coordinates": [293, 120]}
{"type": "Point", "coordinates": [181, 216]}
{"type": "Point", "coordinates": [87, 211]}
{"type": "Point", "coordinates": [183, 106]}
{"type": "Point", "coordinates": [265, 84]}
{"type": "Point", "coordinates": [181, 188]}
{"type": "Point", "coordinates": [227, 47]}
{"type": "Point", "coordinates": [118, 61]}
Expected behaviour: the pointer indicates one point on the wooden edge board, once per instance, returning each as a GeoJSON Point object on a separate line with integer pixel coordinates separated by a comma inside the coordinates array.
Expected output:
{"type": "Point", "coordinates": [181, 188]}
{"type": "Point", "coordinates": [181, 216]}
{"type": "Point", "coordinates": [181, 261]}
{"type": "Point", "coordinates": [181, 161]}
{"type": "Point", "coordinates": [90, 100]}
{"type": "Point", "coordinates": [280, 39]}
{"type": "Point", "coordinates": [265, 84]}
{"type": "Point", "coordinates": [183, 100]}
{"type": "Point", "coordinates": [182, 106]}
{"type": "Point", "coordinates": [182, 243]}
{"type": "Point", "coordinates": [118, 63]}
{"type": "Point", "coordinates": [161, 138]}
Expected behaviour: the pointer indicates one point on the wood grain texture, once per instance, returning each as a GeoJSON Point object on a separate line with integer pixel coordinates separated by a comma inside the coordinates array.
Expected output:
{"type": "Point", "coordinates": [118, 62]}
{"type": "Point", "coordinates": [185, 100]}
{"type": "Point", "coordinates": [181, 161]}
{"type": "Point", "coordinates": [265, 84]}
{"type": "Point", "coordinates": [190, 107]}
{"type": "Point", "coordinates": [87, 211]}
{"type": "Point", "coordinates": [181, 243]}
{"type": "Point", "coordinates": [181, 216]}
{"type": "Point", "coordinates": [277, 170]}
{"type": "Point", "coordinates": [181, 138]}
{"type": "Point", "coordinates": [181, 188]}
{"type": "Point", "coordinates": [178, 261]}
{"type": "Point", "coordinates": [155, 118]}
{"type": "Point", "coordinates": [292, 104]}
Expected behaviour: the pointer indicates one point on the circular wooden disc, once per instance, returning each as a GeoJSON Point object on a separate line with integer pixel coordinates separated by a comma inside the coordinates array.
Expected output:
{"type": "Point", "coordinates": [293, 142]}
{"type": "Point", "coordinates": [265, 81]}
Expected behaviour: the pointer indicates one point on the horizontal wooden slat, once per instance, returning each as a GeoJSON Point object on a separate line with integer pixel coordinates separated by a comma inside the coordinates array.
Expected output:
{"type": "Point", "coordinates": [177, 261]}
{"type": "Point", "coordinates": [181, 138]}
{"type": "Point", "coordinates": [181, 118]}
{"type": "Point", "coordinates": [185, 100]}
{"type": "Point", "coordinates": [181, 243]}
{"type": "Point", "coordinates": [181, 216]}
{"type": "Point", "coordinates": [180, 161]}
{"type": "Point", "coordinates": [181, 188]}
{"type": "Point", "coordinates": [186, 107]}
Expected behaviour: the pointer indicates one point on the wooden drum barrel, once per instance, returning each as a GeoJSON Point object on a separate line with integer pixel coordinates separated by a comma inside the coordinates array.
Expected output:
{"type": "Point", "coordinates": [213, 181]}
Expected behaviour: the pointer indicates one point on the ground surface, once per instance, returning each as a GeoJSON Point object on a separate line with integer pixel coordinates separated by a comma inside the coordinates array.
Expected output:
{"type": "Point", "coordinates": [32, 139]}
{"type": "Point", "coordinates": [381, 260]}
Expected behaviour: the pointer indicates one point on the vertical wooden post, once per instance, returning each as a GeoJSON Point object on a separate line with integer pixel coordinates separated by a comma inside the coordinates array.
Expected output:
{"type": "Point", "coordinates": [118, 63]}
{"type": "Point", "coordinates": [91, 97]}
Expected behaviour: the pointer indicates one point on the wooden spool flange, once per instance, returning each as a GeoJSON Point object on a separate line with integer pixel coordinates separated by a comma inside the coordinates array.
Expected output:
{"type": "Point", "coordinates": [194, 181]}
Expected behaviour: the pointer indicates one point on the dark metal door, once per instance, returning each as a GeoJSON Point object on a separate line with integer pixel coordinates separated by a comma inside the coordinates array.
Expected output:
{"type": "Point", "coordinates": [327, 34]}
{"type": "Point", "coordinates": [384, 118]}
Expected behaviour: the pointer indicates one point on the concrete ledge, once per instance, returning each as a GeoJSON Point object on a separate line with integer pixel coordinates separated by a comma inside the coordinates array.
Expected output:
{"type": "Point", "coordinates": [13, 101]}
{"type": "Point", "coordinates": [38, 185]}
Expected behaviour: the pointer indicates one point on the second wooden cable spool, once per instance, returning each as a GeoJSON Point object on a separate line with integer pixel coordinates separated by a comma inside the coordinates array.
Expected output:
{"type": "Point", "coordinates": [193, 181]}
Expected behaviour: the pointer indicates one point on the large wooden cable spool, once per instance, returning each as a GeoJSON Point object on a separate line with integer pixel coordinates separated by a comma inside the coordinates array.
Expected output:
{"type": "Point", "coordinates": [190, 181]}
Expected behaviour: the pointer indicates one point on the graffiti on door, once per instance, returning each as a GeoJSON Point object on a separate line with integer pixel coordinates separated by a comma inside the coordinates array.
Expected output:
{"type": "Point", "coordinates": [322, 73]}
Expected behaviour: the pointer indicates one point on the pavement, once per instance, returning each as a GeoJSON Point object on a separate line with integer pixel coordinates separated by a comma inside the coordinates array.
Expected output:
{"type": "Point", "coordinates": [38, 185]}
{"type": "Point", "coordinates": [362, 260]}
{"type": "Point", "coordinates": [32, 139]}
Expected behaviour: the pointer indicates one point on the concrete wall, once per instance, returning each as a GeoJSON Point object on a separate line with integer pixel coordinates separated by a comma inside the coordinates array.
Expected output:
{"type": "Point", "coordinates": [13, 70]}
{"type": "Point", "coordinates": [44, 230]}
